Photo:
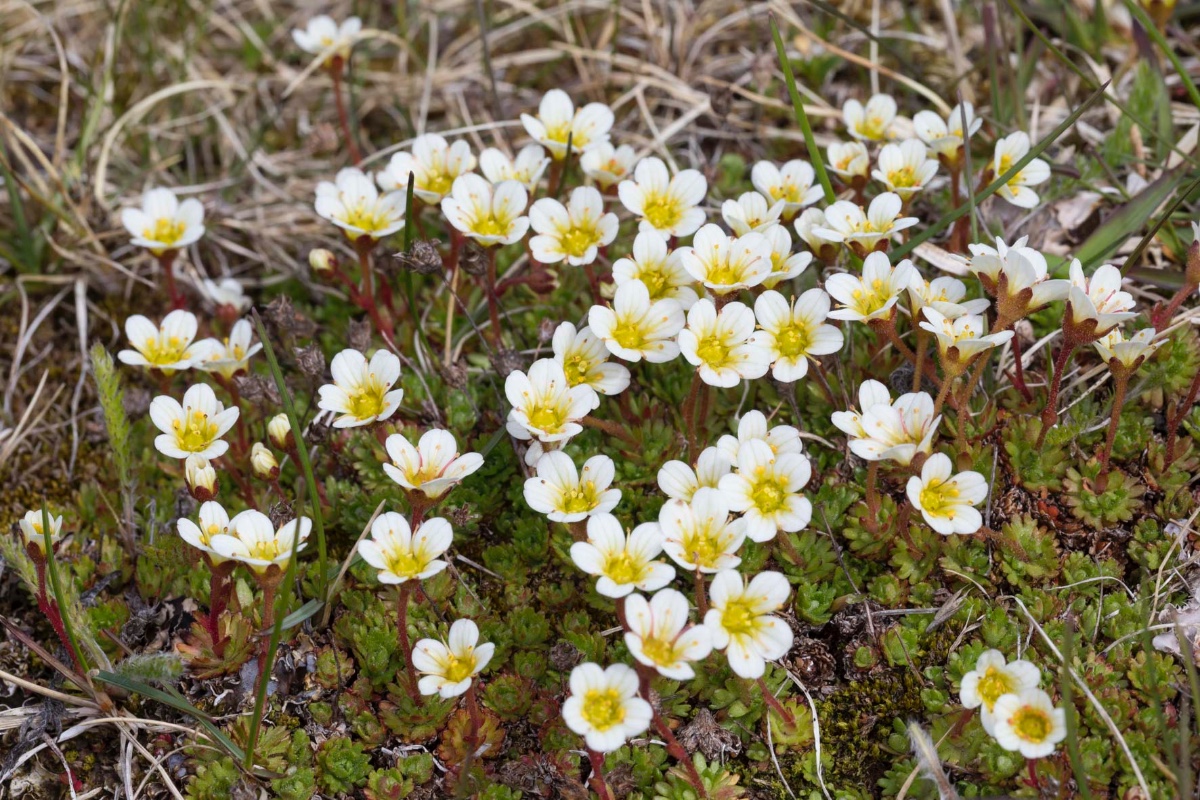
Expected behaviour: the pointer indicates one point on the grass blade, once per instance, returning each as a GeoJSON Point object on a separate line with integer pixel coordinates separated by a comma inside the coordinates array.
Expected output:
{"type": "Point", "coordinates": [60, 596]}
{"type": "Point", "coordinates": [305, 462]}
{"type": "Point", "coordinates": [1130, 218]}
{"type": "Point", "coordinates": [953, 216]}
{"type": "Point", "coordinates": [814, 152]}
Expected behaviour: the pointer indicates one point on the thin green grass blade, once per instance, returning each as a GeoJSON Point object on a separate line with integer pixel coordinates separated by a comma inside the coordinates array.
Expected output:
{"type": "Point", "coordinates": [60, 596]}
{"type": "Point", "coordinates": [950, 218]}
{"type": "Point", "coordinates": [305, 462]}
{"type": "Point", "coordinates": [1130, 218]}
{"type": "Point", "coordinates": [814, 152]}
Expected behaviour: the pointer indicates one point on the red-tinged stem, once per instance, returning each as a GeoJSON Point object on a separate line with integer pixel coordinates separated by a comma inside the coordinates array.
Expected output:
{"type": "Point", "coordinates": [493, 300]}
{"type": "Point", "coordinates": [215, 581]}
{"type": "Point", "coordinates": [268, 621]}
{"type": "Point", "coordinates": [920, 360]}
{"type": "Point", "coordinates": [689, 413]}
{"type": "Point", "coordinates": [166, 261]}
{"type": "Point", "coordinates": [597, 779]}
{"type": "Point", "coordinates": [701, 593]}
{"type": "Point", "coordinates": [335, 70]}
{"type": "Point", "coordinates": [675, 749]}
{"type": "Point", "coordinates": [872, 496]}
{"type": "Point", "coordinates": [621, 613]}
{"type": "Point", "coordinates": [476, 719]}
{"type": "Point", "coordinates": [1050, 413]}
{"type": "Point", "coordinates": [410, 684]}
{"type": "Point", "coordinates": [1018, 377]}
{"type": "Point", "coordinates": [775, 705]}
{"type": "Point", "coordinates": [1121, 379]}
{"type": "Point", "coordinates": [1176, 418]}
{"type": "Point", "coordinates": [611, 428]}
{"type": "Point", "coordinates": [594, 282]}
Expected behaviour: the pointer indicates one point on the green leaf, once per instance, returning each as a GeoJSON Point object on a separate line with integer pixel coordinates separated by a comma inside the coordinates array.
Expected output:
{"type": "Point", "coordinates": [1128, 219]}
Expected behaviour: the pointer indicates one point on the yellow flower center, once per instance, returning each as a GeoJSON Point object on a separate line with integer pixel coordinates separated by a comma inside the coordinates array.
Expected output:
{"type": "Point", "coordinates": [195, 432]}
{"type": "Point", "coordinates": [365, 218]}
{"type": "Point", "coordinates": [792, 340]}
{"type": "Point", "coordinates": [727, 273]}
{"type": "Point", "coordinates": [769, 493]}
{"type": "Point", "coordinates": [713, 351]}
{"type": "Point", "coordinates": [437, 181]}
{"type": "Point", "coordinates": [656, 283]}
{"type": "Point", "coordinates": [1031, 724]}
{"type": "Point", "coordinates": [267, 550]}
{"type": "Point", "coordinates": [622, 569]}
{"type": "Point", "coordinates": [576, 241]}
{"type": "Point", "coordinates": [661, 212]}
{"type": "Point", "coordinates": [209, 531]}
{"type": "Point", "coordinates": [873, 127]}
{"type": "Point", "coordinates": [577, 369]}
{"type": "Point", "coordinates": [739, 618]}
{"type": "Point", "coordinates": [489, 226]}
{"type": "Point", "coordinates": [580, 499]}
{"type": "Point", "coordinates": [629, 335]}
{"type": "Point", "coordinates": [405, 563]}
{"type": "Point", "coordinates": [867, 303]}
{"type": "Point", "coordinates": [547, 418]}
{"type": "Point", "coordinates": [993, 684]}
{"type": "Point", "coordinates": [603, 708]}
{"type": "Point", "coordinates": [459, 669]}
{"type": "Point", "coordinates": [704, 546]}
{"type": "Point", "coordinates": [164, 230]}
{"type": "Point", "coordinates": [903, 177]}
{"type": "Point", "coordinates": [368, 401]}
{"type": "Point", "coordinates": [161, 350]}
{"type": "Point", "coordinates": [562, 132]}
{"type": "Point", "coordinates": [660, 651]}
{"type": "Point", "coordinates": [937, 498]}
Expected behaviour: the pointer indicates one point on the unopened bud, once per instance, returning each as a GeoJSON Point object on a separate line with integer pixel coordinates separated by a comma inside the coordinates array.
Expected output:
{"type": "Point", "coordinates": [279, 429]}
{"type": "Point", "coordinates": [321, 260]}
{"type": "Point", "coordinates": [34, 534]}
{"type": "Point", "coordinates": [201, 478]}
{"type": "Point", "coordinates": [263, 461]}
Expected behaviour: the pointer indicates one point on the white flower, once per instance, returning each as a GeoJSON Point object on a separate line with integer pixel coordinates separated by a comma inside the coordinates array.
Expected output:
{"type": "Point", "coordinates": [636, 328]}
{"type": "Point", "coordinates": [660, 636]}
{"type": "Point", "coordinates": [33, 532]}
{"type": "Point", "coordinates": [753, 426]}
{"type": "Point", "coordinates": [807, 226]}
{"type": "Point", "coordinates": [943, 294]}
{"type": "Point", "coordinates": [785, 264]}
{"type": "Point", "coordinates": [700, 534]}
{"type": "Point", "coordinates": [195, 427]}
{"type": "Point", "coordinates": [947, 501]}
{"type": "Point", "coordinates": [1017, 273]}
{"type": "Point", "coordinates": [604, 707]}
{"type": "Point", "coordinates": [847, 222]}
{"type": "Point", "coordinates": [740, 620]}
{"type": "Point", "coordinates": [526, 169]}
{"type": "Point", "coordinates": [167, 347]}
{"type": "Point", "coordinates": [961, 338]}
{"type": "Point", "coordinates": [214, 520]}
{"type": "Point", "coordinates": [354, 204]}
{"type": "Point", "coordinates": [669, 206]}
{"type": "Point", "coordinates": [904, 169]}
{"type": "Point", "coordinates": [1029, 723]}
{"type": "Point", "coordinates": [434, 164]}
{"type": "Point", "coordinates": [622, 564]}
{"type": "Point", "coordinates": [945, 137]}
{"type": "Point", "coordinates": [254, 541]}
{"type": "Point", "coordinates": [433, 467]}
{"type": "Point", "coordinates": [661, 270]}
{"type": "Point", "coordinates": [201, 477]}
{"type": "Point", "coordinates": [873, 295]}
{"type": "Point", "coordinates": [564, 494]}
{"type": "Point", "coordinates": [361, 392]}
{"type": "Point", "coordinates": [557, 121]}
{"type": "Point", "coordinates": [724, 263]}
{"type": "Point", "coordinates": [279, 431]}
{"type": "Point", "coordinates": [1130, 353]}
{"type": "Point", "coordinates": [849, 161]}
{"type": "Point", "coordinates": [791, 333]}
{"type": "Point", "coordinates": [607, 165]}
{"type": "Point", "coordinates": [793, 184]}
{"type": "Point", "coordinates": [230, 355]}
{"type": "Point", "coordinates": [1099, 298]}
{"type": "Point", "coordinates": [163, 223]}
{"type": "Point", "coordinates": [887, 431]}
{"type": "Point", "coordinates": [544, 404]}
{"type": "Point", "coordinates": [679, 481]}
{"type": "Point", "coordinates": [991, 679]}
{"type": "Point", "coordinates": [226, 292]}
{"type": "Point", "coordinates": [573, 233]}
{"type": "Point", "coordinates": [263, 462]}
{"type": "Point", "coordinates": [1009, 151]}
{"type": "Point", "coordinates": [449, 666]}
{"type": "Point", "coordinates": [584, 359]}
{"type": "Point", "coordinates": [322, 33]}
{"type": "Point", "coordinates": [488, 214]}
{"type": "Point", "coordinates": [765, 490]}
{"type": "Point", "coordinates": [720, 346]}
{"type": "Point", "coordinates": [751, 212]}
{"type": "Point", "coordinates": [400, 554]}
{"type": "Point", "coordinates": [873, 122]}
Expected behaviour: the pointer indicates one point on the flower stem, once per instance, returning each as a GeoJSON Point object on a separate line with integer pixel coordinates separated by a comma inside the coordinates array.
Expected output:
{"type": "Point", "coordinates": [1177, 416]}
{"type": "Point", "coordinates": [493, 300]}
{"type": "Point", "coordinates": [268, 621]}
{"type": "Point", "coordinates": [611, 428]}
{"type": "Point", "coordinates": [676, 750]}
{"type": "Point", "coordinates": [335, 70]}
{"type": "Point", "coordinates": [689, 411]}
{"type": "Point", "coordinates": [919, 364]}
{"type": "Point", "coordinates": [402, 625]}
{"type": "Point", "coordinates": [872, 495]}
{"type": "Point", "coordinates": [1121, 379]}
{"type": "Point", "coordinates": [701, 594]}
{"type": "Point", "coordinates": [597, 779]}
{"type": "Point", "coordinates": [773, 702]}
{"type": "Point", "coordinates": [1050, 413]}
{"type": "Point", "coordinates": [166, 262]}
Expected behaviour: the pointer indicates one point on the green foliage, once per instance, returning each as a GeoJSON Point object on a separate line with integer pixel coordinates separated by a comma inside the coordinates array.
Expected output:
{"type": "Point", "coordinates": [1036, 468]}
{"type": "Point", "coordinates": [1099, 503]}
{"type": "Point", "coordinates": [150, 667]}
{"type": "Point", "coordinates": [112, 403]}
{"type": "Point", "coordinates": [342, 765]}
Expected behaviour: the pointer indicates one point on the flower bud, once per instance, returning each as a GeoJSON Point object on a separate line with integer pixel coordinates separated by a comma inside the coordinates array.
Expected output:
{"type": "Point", "coordinates": [321, 260]}
{"type": "Point", "coordinates": [201, 478]}
{"type": "Point", "coordinates": [263, 461]}
{"type": "Point", "coordinates": [279, 429]}
{"type": "Point", "coordinates": [34, 535]}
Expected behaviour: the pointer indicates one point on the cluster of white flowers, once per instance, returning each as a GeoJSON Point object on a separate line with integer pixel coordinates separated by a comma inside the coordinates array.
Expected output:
{"type": "Point", "coordinates": [1014, 711]}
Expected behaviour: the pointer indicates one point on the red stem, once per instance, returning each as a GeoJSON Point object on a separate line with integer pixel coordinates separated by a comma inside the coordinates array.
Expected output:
{"type": "Point", "coordinates": [402, 623]}
{"type": "Point", "coordinates": [1050, 413]}
{"type": "Point", "coordinates": [343, 117]}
